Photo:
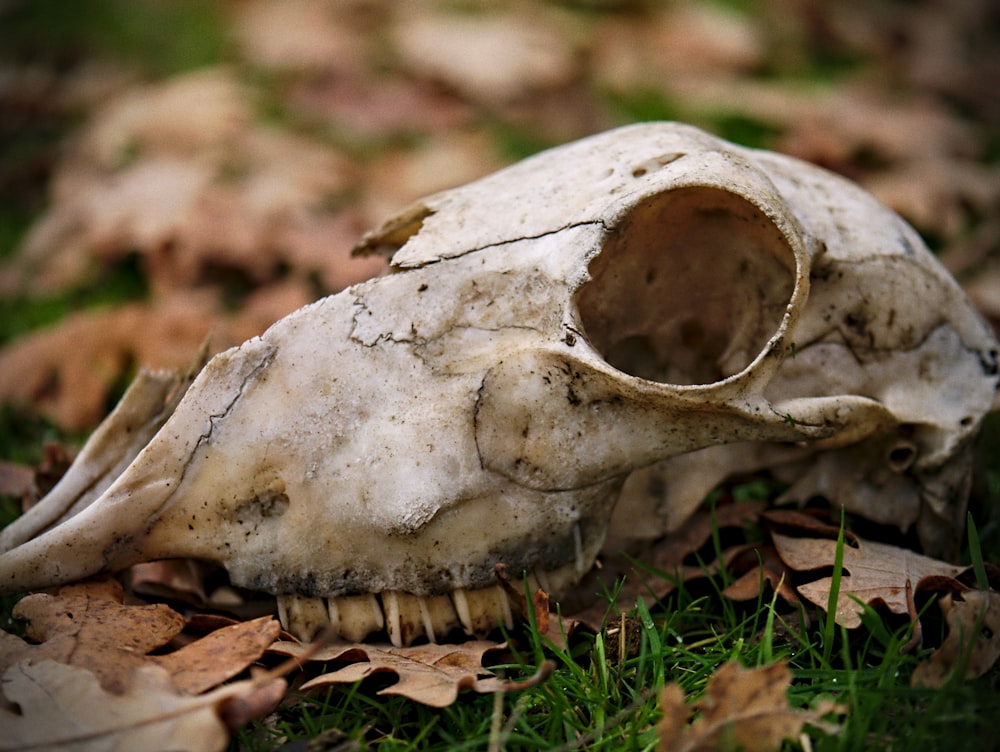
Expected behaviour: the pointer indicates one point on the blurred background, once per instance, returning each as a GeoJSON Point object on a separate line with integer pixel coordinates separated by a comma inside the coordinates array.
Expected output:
{"type": "Point", "coordinates": [173, 170]}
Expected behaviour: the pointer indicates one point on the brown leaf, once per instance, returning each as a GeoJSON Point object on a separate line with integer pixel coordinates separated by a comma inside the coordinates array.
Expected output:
{"type": "Point", "coordinates": [299, 35]}
{"type": "Point", "coordinates": [742, 709]}
{"type": "Point", "coordinates": [975, 614]}
{"type": "Point", "coordinates": [91, 685]}
{"type": "Point", "coordinates": [67, 372]}
{"type": "Point", "coordinates": [875, 573]}
{"type": "Point", "coordinates": [64, 707]}
{"type": "Point", "coordinates": [765, 566]}
{"type": "Point", "coordinates": [219, 655]}
{"type": "Point", "coordinates": [492, 58]}
{"type": "Point", "coordinates": [177, 579]}
{"type": "Point", "coordinates": [675, 715]}
{"type": "Point", "coordinates": [87, 626]}
{"type": "Point", "coordinates": [429, 674]}
{"type": "Point", "coordinates": [800, 522]}
{"type": "Point", "coordinates": [667, 555]}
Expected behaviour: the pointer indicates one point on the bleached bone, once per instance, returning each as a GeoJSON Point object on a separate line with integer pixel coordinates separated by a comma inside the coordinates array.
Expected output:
{"type": "Point", "coordinates": [544, 333]}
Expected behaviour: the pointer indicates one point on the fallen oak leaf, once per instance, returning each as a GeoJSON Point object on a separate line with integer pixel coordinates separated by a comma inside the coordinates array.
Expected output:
{"type": "Point", "coordinates": [973, 614]}
{"type": "Point", "coordinates": [742, 708]}
{"type": "Point", "coordinates": [430, 674]}
{"type": "Point", "coordinates": [814, 522]}
{"type": "Point", "coordinates": [64, 707]}
{"type": "Point", "coordinates": [764, 567]}
{"type": "Point", "coordinates": [874, 573]}
{"type": "Point", "coordinates": [94, 648]}
{"type": "Point", "coordinates": [220, 655]}
{"type": "Point", "coordinates": [88, 626]}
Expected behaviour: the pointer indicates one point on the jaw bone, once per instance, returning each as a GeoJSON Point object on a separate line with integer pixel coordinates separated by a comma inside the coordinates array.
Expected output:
{"type": "Point", "coordinates": [544, 333]}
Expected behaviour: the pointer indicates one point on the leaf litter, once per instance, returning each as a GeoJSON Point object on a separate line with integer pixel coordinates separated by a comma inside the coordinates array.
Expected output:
{"type": "Point", "coordinates": [90, 682]}
{"type": "Point", "coordinates": [741, 708]}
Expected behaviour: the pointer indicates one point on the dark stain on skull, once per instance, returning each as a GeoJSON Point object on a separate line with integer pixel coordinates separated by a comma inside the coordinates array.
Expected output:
{"type": "Point", "coordinates": [268, 502]}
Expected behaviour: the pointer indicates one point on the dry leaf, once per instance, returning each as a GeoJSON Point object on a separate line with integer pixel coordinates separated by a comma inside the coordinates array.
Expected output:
{"type": "Point", "coordinates": [975, 614]}
{"type": "Point", "coordinates": [91, 685]}
{"type": "Point", "coordinates": [429, 674]}
{"type": "Point", "coordinates": [64, 707]}
{"type": "Point", "coordinates": [666, 555]}
{"type": "Point", "coordinates": [743, 709]}
{"type": "Point", "coordinates": [374, 105]}
{"type": "Point", "coordinates": [66, 372]}
{"type": "Point", "coordinates": [299, 35]}
{"type": "Point", "coordinates": [399, 178]}
{"type": "Point", "coordinates": [754, 566]}
{"type": "Point", "coordinates": [875, 573]}
{"type": "Point", "coordinates": [202, 109]}
{"type": "Point", "coordinates": [691, 40]}
{"type": "Point", "coordinates": [88, 626]}
{"type": "Point", "coordinates": [491, 58]}
{"type": "Point", "coordinates": [218, 656]}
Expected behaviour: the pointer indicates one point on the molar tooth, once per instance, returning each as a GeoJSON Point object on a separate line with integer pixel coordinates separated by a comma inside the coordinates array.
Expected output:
{"type": "Point", "coordinates": [302, 615]}
{"type": "Point", "coordinates": [483, 609]}
{"type": "Point", "coordinates": [354, 617]}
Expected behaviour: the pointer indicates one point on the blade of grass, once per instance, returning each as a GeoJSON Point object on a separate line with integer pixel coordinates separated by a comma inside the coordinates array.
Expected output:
{"type": "Point", "coordinates": [976, 552]}
{"type": "Point", "coordinates": [830, 626]}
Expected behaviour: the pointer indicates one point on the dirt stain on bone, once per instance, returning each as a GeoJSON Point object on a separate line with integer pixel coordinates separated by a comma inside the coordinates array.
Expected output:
{"type": "Point", "coordinates": [269, 501]}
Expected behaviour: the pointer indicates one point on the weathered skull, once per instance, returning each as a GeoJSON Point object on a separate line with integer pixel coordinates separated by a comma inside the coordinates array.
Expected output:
{"type": "Point", "coordinates": [544, 332]}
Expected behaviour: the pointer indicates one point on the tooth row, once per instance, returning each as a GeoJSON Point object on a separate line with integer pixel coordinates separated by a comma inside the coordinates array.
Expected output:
{"type": "Point", "coordinates": [407, 617]}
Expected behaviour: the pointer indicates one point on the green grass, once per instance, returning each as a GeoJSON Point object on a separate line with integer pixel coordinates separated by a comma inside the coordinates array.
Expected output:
{"type": "Point", "coordinates": [161, 37]}
{"type": "Point", "coordinates": [594, 701]}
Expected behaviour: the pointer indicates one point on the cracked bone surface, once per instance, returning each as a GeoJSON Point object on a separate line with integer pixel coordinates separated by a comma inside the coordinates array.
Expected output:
{"type": "Point", "coordinates": [549, 338]}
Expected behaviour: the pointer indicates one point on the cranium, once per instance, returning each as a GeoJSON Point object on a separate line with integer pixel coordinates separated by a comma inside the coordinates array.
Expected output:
{"type": "Point", "coordinates": [543, 334]}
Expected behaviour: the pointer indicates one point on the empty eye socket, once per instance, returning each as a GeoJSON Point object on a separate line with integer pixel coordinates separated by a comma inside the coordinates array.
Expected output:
{"type": "Point", "coordinates": [902, 455]}
{"type": "Point", "coordinates": [688, 288]}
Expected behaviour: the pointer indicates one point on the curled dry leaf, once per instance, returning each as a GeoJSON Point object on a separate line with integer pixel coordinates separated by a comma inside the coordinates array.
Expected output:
{"type": "Point", "coordinates": [64, 707]}
{"type": "Point", "coordinates": [220, 655]}
{"type": "Point", "coordinates": [874, 573]}
{"type": "Point", "coordinates": [88, 626]}
{"type": "Point", "coordinates": [973, 614]}
{"type": "Point", "coordinates": [429, 674]}
{"type": "Point", "coordinates": [755, 565]}
{"type": "Point", "coordinates": [90, 683]}
{"type": "Point", "coordinates": [741, 709]}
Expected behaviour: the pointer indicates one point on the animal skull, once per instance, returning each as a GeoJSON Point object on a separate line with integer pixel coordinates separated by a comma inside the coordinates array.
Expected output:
{"type": "Point", "coordinates": [544, 333]}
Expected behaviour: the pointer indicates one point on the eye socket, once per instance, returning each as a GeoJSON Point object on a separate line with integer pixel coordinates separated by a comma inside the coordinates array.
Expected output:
{"type": "Point", "coordinates": [689, 288]}
{"type": "Point", "coordinates": [902, 455]}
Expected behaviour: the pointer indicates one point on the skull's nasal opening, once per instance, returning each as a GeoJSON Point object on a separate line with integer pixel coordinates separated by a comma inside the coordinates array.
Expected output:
{"type": "Point", "coordinates": [688, 288]}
